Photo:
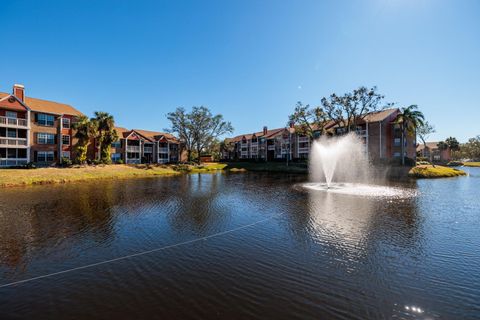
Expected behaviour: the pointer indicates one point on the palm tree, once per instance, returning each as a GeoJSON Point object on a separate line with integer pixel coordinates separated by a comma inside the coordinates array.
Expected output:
{"type": "Point", "coordinates": [106, 133]}
{"type": "Point", "coordinates": [409, 119]}
{"type": "Point", "coordinates": [85, 130]}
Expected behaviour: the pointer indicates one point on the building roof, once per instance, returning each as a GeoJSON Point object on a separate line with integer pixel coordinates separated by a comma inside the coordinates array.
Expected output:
{"type": "Point", "coordinates": [156, 135]}
{"type": "Point", "coordinates": [270, 134]}
{"type": "Point", "coordinates": [46, 106]}
{"type": "Point", "coordinates": [430, 146]}
{"type": "Point", "coordinates": [380, 115]}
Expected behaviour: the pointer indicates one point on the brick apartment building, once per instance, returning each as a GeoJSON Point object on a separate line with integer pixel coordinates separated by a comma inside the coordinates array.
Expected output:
{"type": "Point", "coordinates": [378, 132]}
{"type": "Point", "coordinates": [40, 131]}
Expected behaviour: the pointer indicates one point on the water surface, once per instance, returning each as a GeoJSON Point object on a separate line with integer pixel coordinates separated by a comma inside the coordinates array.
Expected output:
{"type": "Point", "coordinates": [294, 253]}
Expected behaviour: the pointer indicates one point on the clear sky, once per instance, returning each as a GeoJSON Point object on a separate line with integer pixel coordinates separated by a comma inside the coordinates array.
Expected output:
{"type": "Point", "coordinates": [249, 60]}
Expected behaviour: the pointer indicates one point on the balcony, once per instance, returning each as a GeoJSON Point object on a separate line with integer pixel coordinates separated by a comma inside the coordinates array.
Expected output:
{"type": "Point", "coordinates": [271, 147]}
{"type": "Point", "coordinates": [163, 150]}
{"type": "Point", "coordinates": [304, 150]}
{"type": "Point", "coordinates": [303, 139]}
{"type": "Point", "coordinates": [133, 148]}
{"type": "Point", "coordinates": [147, 149]}
{"type": "Point", "coordinates": [13, 142]}
{"type": "Point", "coordinates": [11, 162]}
{"type": "Point", "coordinates": [13, 122]}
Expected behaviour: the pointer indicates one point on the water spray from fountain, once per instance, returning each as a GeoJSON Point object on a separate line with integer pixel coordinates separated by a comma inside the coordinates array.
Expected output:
{"type": "Point", "coordinates": [341, 165]}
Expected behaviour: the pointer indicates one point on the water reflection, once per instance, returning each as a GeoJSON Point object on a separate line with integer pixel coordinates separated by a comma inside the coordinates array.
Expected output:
{"type": "Point", "coordinates": [320, 255]}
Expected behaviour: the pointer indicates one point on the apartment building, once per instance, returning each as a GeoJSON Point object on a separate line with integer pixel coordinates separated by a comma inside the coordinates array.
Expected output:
{"type": "Point", "coordinates": [377, 132]}
{"type": "Point", "coordinates": [434, 153]}
{"type": "Point", "coordinates": [34, 130]}
{"type": "Point", "coordinates": [142, 146]}
{"type": "Point", "coordinates": [40, 131]}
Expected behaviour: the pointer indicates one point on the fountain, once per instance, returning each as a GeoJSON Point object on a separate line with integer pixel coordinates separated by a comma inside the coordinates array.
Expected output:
{"type": "Point", "coordinates": [341, 165]}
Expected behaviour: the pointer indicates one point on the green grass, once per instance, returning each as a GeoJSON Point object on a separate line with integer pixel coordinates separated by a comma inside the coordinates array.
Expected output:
{"type": "Point", "coordinates": [471, 164]}
{"type": "Point", "coordinates": [23, 177]}
{"type": "Point", "coordinates": [435, 172]}
{"type": "Point", "coordinates": [267, 167]}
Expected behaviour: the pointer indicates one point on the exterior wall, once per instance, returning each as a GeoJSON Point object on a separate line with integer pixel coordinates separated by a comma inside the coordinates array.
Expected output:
{"type": "Point", "coordinates": [35, 130]}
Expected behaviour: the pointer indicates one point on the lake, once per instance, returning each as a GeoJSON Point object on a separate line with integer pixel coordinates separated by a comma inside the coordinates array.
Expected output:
{"type": "Point", "coordinates": [244, 245]}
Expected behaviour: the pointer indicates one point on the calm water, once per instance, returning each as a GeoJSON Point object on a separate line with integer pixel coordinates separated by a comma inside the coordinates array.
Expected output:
{"type": "Point", "coordinates": [309, 254]}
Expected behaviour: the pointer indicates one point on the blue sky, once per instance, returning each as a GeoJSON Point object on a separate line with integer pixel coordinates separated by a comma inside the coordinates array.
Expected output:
{"type": "Point", "coordinates": [249, 60]}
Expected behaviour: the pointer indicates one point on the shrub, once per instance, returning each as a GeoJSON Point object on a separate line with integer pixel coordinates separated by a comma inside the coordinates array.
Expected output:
{"type": "Point", "coordinates": [455, 164]}
{"type": "Point", "coordinates": [120, 161]}
{"type": "Point", "coordinates": [66, 162]}
{"type": "Point", "coordinates": [420, 159]}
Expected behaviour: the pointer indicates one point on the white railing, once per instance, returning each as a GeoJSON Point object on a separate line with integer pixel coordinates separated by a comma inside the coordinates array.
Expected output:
{"type": "Point", "coordinates": [304, 150]}
{"type": "Point", "coordinates": [13, 142]}
{"type": "Point", "coordinates": [162, 160]}
{"type": "Point", "coordinates": [162, 150]}
{"type": "Point", "coordinates": [271, 147]}
{"type": "Point", "coordinates": [133, 148]}
{"type": "Point", "coordinates": [303, 139]}
{"type": "Point", "coordinates": [148, 149]}
{"type": "Point", "coordinates": [14, 122]}
{"type": "Point", "coordinates": [12, 162]}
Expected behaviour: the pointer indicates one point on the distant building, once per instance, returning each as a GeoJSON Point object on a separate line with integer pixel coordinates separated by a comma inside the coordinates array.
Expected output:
{"type": "Point", "coordinates": [34, 130]}
{"type": "Point", "coordinates": [378, 132]}
{"type": "Point", "coordinates": [40, 131]}
{"type": "Point", "coordinates": [432, 152]}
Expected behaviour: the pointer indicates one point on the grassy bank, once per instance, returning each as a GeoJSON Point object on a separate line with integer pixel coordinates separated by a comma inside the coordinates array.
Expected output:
{"type": "Point", "coordinates": [267, 167]}
{"type": "Point", "coordinates": [471, 164]}
{"type": "Point", "coordinates": [429, 171]}
{"type": "Point", "coordinates": [20, 177]}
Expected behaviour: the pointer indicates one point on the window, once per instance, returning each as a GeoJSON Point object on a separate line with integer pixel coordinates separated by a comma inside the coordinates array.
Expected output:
{"type": "Point", "coordinates": [11, 133]}
{"type": "Point", "coordinates": [397, 142]}
{"type": "Point", "coordinates": [116, 156]}
{"type": "Point", "coordinates": [45, 119]}
{"type": "Point", "coordinates": [66, 140]}
{"type": "Point", "coordinates": [66, 123]}
{"type": "Point", "coordinates": [66, 154]}
{"type": "Point", "coordinates": [11, 114]}
{"type": "Point", "coordinates": [396, 154]}
{"type": "Point", "coordinates": [45, 156]}
{"type": "Point", "coordinates": [117, 144]}
{"type": "Point", "coordinates": [45, 138]}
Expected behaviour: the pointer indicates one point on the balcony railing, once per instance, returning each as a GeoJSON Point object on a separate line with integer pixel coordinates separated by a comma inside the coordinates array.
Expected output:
{"type": "Point", "coordinates": [133, 148]}
{"type": "Point", "coordinates": [13, 122]}
{"type": "Point", "coordinates": [162, 150]}
{"type": "Point", "coordinates": [303, 139]}
{"type": "Point", "coordinates": [148, 149]}
{"type": "Point", "coordinates": [12, 162]}
{"type": "Point", "coordinates": [304, 150]}
{"type": "Point", "coordinates": [13, 142]}
{"type": "Point", "coordinates": [271, 147]}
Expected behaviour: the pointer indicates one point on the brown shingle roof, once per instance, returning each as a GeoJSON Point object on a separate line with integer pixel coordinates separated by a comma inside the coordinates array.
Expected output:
{"type": "Point", "coordinates": [270, 134]}
{"type": "Point", "coordinates": [430, 146]}
{"type": "Point", "coordinates": [155, 135]}
{"type": "Point", "coordinates": [46, 106]}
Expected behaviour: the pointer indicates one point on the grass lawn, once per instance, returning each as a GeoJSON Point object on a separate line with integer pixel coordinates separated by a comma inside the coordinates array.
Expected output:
{"type": "Point", "coordinates": [429, 171]}
{"type": "Point", "coordinates": [267, 167]}
{"type": "Point", "coordinates": [471, 164]}
{"type": "Point", "coordinates": [19, 177]}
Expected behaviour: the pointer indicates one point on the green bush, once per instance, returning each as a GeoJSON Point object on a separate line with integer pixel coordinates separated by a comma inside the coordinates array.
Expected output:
{"type": "Point", "coordinates": [455, 164]}
{"type": "Point", "coordinates": [120, 161]}
{"type": "Point", "coordinates": [66, 162]}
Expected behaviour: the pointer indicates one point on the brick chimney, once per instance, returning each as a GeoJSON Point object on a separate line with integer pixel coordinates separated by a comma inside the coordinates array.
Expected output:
{"type": "Point", "coordinates": [19, 91]}
{"type": "Point", "coordinates": [265, 129]}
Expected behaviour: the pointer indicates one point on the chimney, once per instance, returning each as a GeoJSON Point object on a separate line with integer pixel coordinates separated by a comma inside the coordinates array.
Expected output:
{"type": "Point", "coordinates": [292, 124]}
{"type": "Point", "coordinates": [265, 129]}
{"type": "Point", "coordinates": [19, 91]}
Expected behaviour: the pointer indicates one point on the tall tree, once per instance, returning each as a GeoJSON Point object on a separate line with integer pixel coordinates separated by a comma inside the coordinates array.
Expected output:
{"type": "Point", "coordinates": [206, 128]}
{"type": "Point", "coordinates": [85, 130]}
{"type": "Point", "coordinates": [423, 132]}
{"type": "Point", "coordinates": [106, 134]}
{"type": "Point", "coordinates": [351, 108]}
{"type": "Point", "coordinates": [182, 127]}
{"type": "Point", "coordinates": [308, 120]}
{"type": "Point", "coordinates": [409, 119]}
